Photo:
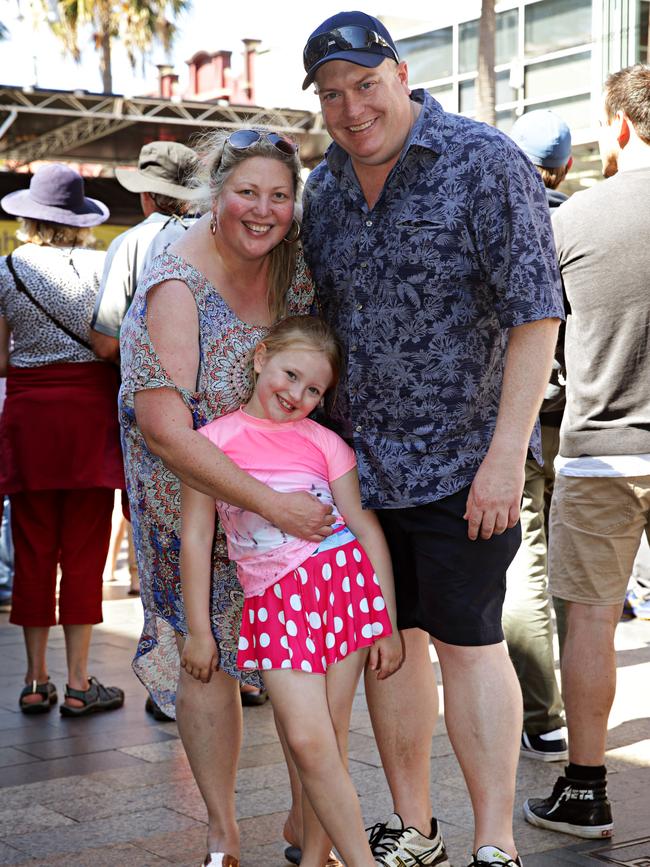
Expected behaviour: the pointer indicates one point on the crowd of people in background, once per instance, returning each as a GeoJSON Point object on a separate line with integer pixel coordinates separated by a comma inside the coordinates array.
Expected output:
{"type": "Point", "coordinates": [476, 468]}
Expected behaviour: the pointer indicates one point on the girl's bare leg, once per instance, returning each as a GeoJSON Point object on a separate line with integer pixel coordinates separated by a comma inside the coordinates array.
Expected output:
{"type": "Point", "coordinates": [314, 714]}
{"type": "Point", "coordinates": [209, 718]}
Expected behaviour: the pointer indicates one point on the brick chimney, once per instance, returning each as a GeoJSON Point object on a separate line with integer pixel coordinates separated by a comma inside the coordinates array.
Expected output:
{"type": "Point", "coordinates": [167, 81]}
{"type": "Point", "coordinates": [250, 50]}
{"type": "Point", "coordinates": [209, 75]}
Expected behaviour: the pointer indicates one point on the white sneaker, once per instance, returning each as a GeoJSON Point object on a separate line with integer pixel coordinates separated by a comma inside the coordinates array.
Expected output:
{"type": "Point", "coordinates": [393, 845]}
{"type": "Point", "coordinates": [492, 856]}
{"type": "Point", "coordinates": [549, 747]}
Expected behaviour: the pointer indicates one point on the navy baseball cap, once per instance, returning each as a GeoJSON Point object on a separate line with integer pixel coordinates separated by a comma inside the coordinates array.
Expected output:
{"type": "Point", "coordinates": [544, 137]}
{"type": "Point", "coordinates": [352, 36]}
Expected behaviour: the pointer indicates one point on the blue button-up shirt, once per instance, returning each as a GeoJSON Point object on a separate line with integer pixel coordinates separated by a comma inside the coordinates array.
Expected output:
{"type": "Point", "coordinates": [422, 290]}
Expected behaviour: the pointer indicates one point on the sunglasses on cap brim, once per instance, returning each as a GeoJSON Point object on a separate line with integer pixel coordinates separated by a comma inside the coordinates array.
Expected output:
{"type": "Point", "coordinates": [354, 37]}
{"type": "Point", "coordinates": [245, 138]}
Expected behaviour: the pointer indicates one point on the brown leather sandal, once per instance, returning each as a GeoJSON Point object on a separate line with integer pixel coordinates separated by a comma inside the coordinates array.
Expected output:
{"type": "Point", "coordinates": [96, 698]}
{"type": "Point", "coordinates": [46, 690]}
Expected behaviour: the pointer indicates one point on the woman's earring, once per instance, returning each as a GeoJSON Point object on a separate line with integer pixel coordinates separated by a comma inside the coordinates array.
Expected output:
{"type": "Point", "coordinates": [294, 232]}
{"type": "Point", "coordinates": [213, 224]}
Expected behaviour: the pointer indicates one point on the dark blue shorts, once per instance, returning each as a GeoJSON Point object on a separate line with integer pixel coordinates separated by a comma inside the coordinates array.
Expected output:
{"type": "Point", "coordinates": [446, 584]}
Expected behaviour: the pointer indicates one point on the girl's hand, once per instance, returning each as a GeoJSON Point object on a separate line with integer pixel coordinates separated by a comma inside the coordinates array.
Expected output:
{"type": "Point", "coordinates": [386, 655]}
{"type": "Point", "coordinates": [200, 656]}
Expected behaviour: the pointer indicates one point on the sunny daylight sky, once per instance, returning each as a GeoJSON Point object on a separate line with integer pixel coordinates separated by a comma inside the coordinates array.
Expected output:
{"type": "Point", "coordinates": [33, 56]}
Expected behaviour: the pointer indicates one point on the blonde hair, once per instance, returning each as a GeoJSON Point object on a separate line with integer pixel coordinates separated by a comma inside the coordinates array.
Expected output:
{"type": "Point", "coordinates": [46, 234]}
{"type": "Point", "coordinates": [218, 161]}
{"type": "Point", "coordinates": [306, 331]}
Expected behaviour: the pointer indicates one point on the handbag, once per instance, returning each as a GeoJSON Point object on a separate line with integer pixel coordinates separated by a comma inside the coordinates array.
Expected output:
{"type": "Point", "coordinates": [22, 288]}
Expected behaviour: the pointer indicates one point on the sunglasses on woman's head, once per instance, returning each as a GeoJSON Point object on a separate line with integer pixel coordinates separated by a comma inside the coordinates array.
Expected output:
{"type": "Point", "coordinates": [245, 138]}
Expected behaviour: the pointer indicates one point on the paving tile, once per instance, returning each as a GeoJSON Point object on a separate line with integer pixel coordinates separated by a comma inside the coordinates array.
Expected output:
{"type": "Point", "coordinates": [51, 793]}
{"type": "Point", "coordinates": [29, 819]}
{"type": "Point", "coordinates": [9, 855]}
{"type": "Point", "coordinates": [87, 835]}
{"type": "Point", "coordinates": [94, 743]}
{"type": "Point", "coordinates": [15, 737]}
{"type": "Point", "coordinates": [178, 848]}
{"type": "Point", "coordinates": [11, 756]}
{"type": "Point", "coordinates": [161, 752]}
{"type": "Point", "coordinates": [67, 767]}
{"type": "Point", "coordinates": [124, 855]}
{"type": "Point", "coordinates": [145, 774]}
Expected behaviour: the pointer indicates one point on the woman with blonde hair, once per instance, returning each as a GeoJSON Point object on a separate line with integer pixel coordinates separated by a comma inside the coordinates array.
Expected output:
{"type": "Point", "coordinates": [186, 350]}
{"type": "Point", "coordinates": [60, 458]}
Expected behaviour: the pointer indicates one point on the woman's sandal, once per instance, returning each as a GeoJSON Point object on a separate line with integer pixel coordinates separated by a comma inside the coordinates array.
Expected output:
{"type": "Point", "coordinates": [46, 690]}
{"type": "Point", "coordinates": [252, 696]}
{"type": "Point", "coordinates": [293, 854]}
{"type": "Point", "coordinates": [96, 698]}
{"type": "Point", "coordinates": [220, 859]}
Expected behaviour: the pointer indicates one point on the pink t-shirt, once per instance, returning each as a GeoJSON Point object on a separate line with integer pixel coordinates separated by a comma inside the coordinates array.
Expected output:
{"type": "Point", "coordinates": [289, 457]}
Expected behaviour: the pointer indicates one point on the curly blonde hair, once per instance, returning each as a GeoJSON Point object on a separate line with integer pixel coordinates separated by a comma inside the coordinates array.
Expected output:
{"type": "Point", "coordinates": [46, 234]}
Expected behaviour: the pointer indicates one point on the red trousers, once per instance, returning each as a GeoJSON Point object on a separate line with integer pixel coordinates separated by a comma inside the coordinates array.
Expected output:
{"type": "Point", "coordinates": [67, 527]}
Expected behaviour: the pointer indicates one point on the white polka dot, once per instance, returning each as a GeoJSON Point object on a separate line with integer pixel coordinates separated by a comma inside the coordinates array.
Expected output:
{"type": "Point", "coordinates": [277, 589]}
{"type": "Point", "coordinates": [251, 615]}
{"type": "Point", "coordinates": [378, 603]}
{"type": "Point", "coordinates": [263, 615]}
{"type": "Point", "coordinates": [243, 643]}
{"type": "Point", "coordinates": [343, 649]}
{"type": "Point", "coordinates": [326, 571]}
{"type": "Point", "coordinates": [284, 641]}
{"type": "Point", "coordinates": [311, 647]}
{"type": "Point", "coordinates": [281, 616]}
{"type": "Point", "coordinates": [375, 579]}
{"type": "Point", "coordinates": [338, 624]}
{"type": "Point", "coordinates": [377, 628]}
{"type": "Point", "coordinates": [291, 627]}
{"type": "Point", "coordinates": [356, 553]}
{"type": "Point", "coordinates": [323, 662]}
{"type": "Point", "coordinates": [329, 640]}
{"type": "Point", "coordinates": [363, 605]}
{"type": "Point", "coordinates": [264, 639]}
{"type": "Point", "coordinates": [286, 663]}
{"type": "Point", "coordinates": [303, 574]}
{"type": "Point", "coordinates": [250, 663]}
{"type": "Point", "coordinates": [341, 559]}
{"type": "Point", "coordinates": [295, 602]}
{"type": "Point", "coordinates": [266, 663]}
{"type": "Point", "coordinates": [305, 665]}
{"type": "Point", "coordinates": [350, 610]}
{"type": "Point", "coordinates": [345, 584]}
{"type": "Point", "coordinates": [325, 617]}
{"type": "Point", "coordinates": [314, 620]}
{"type": "Point", "coordinates": [317, 591]}
{"type": "Point", "coordinates": [332, 597]}
{"type": "Point", "coordinates": [367, 630]}
{"type": "Point", "coordinates": [254, 641]}
{"type": "Point", "coordinates": [360, 579]}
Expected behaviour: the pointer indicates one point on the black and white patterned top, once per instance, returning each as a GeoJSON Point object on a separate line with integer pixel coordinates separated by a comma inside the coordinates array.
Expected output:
{"type": "Point", "coordinates": [65, 281]}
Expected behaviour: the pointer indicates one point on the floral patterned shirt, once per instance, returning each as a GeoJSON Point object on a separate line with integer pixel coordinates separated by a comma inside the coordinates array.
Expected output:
{"type": "Point", "coordinates": [422, 289]}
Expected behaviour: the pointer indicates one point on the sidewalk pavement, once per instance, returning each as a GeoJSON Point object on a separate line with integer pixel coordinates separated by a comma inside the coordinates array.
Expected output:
{"type": "Point", "coordinates": [115, 788]}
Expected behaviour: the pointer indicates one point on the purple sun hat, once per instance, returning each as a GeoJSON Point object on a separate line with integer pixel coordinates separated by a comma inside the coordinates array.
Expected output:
{"type": "Point", "coordinates": [56, 195]}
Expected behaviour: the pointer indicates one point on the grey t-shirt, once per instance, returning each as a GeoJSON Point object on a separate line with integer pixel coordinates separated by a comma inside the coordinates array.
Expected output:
{"type": "Point", "coordinates": [126, 260]}
{"type": "Point", "coordinates": [602, 242]}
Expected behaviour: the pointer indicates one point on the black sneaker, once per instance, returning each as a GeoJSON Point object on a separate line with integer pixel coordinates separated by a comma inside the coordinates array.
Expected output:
{"type": "Point", "coordinates": [393, 845]}
{"type": "Point", "coordinates": [549, 747]}
{"type": "Point", "coordinates": [492, 856]}
{"type": "Point", "coordinates": [576, 807]}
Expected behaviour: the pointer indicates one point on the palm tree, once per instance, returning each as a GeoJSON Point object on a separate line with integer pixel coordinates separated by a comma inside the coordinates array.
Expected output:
{"type": "Point", "coordinates": [136, 23]}
{"type": "Point", "coordinates": [486, 81]}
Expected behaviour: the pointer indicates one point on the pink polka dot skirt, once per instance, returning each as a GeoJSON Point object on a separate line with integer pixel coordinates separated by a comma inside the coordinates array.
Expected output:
{"type": "Point", "coordinates": [316, 615]}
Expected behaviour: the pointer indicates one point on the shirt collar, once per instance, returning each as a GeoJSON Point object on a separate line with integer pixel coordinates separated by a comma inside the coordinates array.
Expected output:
{"type": "Point", "coordinates": [427, 132]}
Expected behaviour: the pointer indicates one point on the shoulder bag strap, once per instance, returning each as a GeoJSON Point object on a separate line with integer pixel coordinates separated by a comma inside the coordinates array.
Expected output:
{"type": "Point", "coordinates": [22, 288]}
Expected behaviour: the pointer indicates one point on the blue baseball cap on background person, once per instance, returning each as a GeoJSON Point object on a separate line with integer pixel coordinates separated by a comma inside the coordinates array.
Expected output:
{"type": "Point", "coordinates": [353, 36]}
{"type": "Point", "coordinates": [544, 137]}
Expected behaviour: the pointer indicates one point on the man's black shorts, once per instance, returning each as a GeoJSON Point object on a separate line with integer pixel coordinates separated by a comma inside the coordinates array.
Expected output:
{"type": "Point", "coordinates": [446, 584]}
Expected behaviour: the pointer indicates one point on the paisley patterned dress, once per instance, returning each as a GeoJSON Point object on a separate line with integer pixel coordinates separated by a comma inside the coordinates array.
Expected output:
{"type": "Point", "coordinates": [224, 382]}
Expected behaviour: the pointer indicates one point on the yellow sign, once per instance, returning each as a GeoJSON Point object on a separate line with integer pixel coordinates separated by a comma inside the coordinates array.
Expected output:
{"type": "Point", "coordinates": [104, 234]}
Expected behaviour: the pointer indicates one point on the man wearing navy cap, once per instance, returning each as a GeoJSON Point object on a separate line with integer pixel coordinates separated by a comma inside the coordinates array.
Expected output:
{"type": "Point", "coordinates": [430, 242]}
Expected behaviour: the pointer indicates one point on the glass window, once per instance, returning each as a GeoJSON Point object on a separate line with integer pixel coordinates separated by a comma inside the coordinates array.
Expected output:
{"type": "Point", "coordinates": [429, 56]}
{"type": "Point", "coordinates": [506, 47]}
{"type": "Point", "coordinates": [555, 24]}
{"type": "Point", "coordinates": [445, 96]}
{"type": "Point", "coordinates": [506, 41]}
{"type": "Point", "coordinates": [576, 111]}
{"type": "Point", "coordinates": [542, 80]}
{"type": "Point", "coordinates": [506, 119]}
{"type": "Point", "coordinates": [644, 27]}
{"type": "Point", "coordinates": [467, 92]}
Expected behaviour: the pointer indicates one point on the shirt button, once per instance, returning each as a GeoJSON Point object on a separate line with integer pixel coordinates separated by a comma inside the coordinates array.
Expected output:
{"type": "Point", "coordinates": [363, 265]}
{"type": "Point", "coordinates": [354, 347]}
{"type": "Point", "coordinates": [358, 428]}
{"type": "Point", "coordinates": [368, 223]}
{"type": "Point", "coordinates": [359, 306]}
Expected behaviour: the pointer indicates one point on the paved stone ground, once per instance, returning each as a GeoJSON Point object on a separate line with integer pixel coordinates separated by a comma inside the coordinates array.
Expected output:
{"type": "Point", "coordinates": [115, 789]}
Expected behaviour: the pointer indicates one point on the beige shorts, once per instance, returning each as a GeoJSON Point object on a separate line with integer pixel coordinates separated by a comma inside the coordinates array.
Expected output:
{"type": "Point", "coordinates": [595, 528]}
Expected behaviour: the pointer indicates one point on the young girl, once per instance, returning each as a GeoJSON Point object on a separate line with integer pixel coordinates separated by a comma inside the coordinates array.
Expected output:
{"type": "Point", "coordinates": [313, 612]}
